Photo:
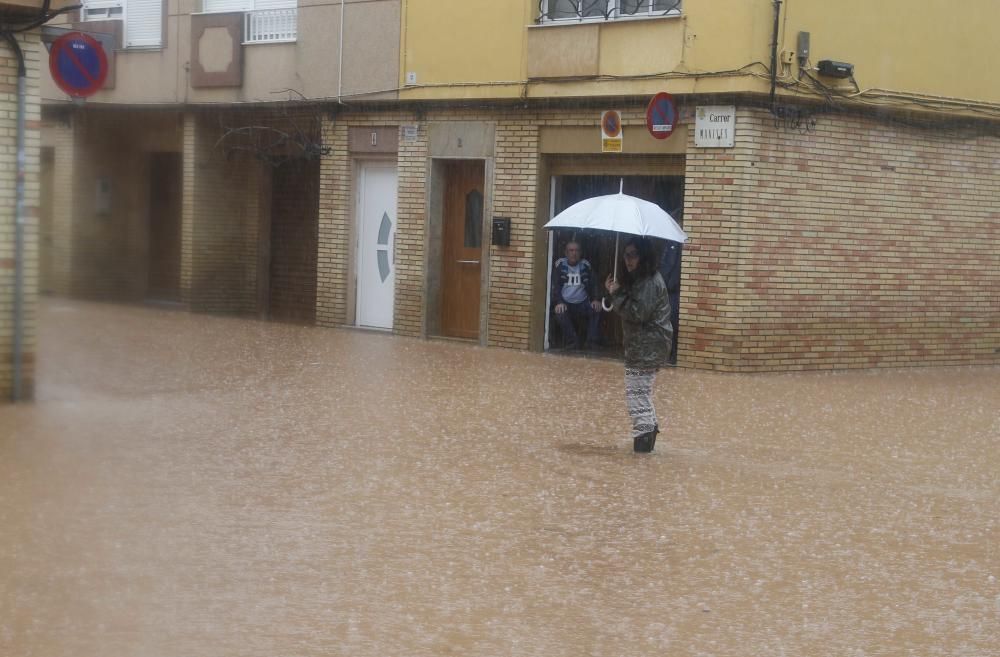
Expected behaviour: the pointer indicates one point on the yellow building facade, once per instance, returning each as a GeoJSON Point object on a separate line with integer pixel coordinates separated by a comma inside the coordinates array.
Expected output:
{"type": "Point", "coordinates": [849, 220]}
{"type": "Point", "coordinates": [512, 50]}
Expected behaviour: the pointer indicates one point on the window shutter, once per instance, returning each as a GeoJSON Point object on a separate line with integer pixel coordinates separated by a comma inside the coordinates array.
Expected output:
{"type": "Point", "coordinates": [143, 23]}
{"type": "Point", "coordinates": [222, 6]}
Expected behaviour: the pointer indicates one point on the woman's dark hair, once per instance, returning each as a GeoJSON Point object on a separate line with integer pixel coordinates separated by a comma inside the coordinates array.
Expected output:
{"type": "Point", "coordinates": [647, 259]}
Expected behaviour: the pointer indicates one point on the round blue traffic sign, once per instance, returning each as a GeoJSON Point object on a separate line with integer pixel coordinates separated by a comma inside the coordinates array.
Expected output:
{"type": "Point", "coordinates": [661, 115]}
{"type": "Point", "coordinates": [78, 64]}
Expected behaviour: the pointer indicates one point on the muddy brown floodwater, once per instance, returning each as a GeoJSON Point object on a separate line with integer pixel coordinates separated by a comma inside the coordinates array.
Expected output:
{"type": "Point", "coordinates": [200, 486]}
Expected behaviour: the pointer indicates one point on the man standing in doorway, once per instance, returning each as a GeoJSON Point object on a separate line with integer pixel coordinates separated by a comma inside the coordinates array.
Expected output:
{"type": "Point", "coordinates": [574, 294]}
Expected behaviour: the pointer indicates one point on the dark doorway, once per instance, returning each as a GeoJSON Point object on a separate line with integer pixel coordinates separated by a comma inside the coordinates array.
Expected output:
{"type": "Point", "coordinates": [598, 247]}
{"type": "Point", "coordinates": [46, 268]}
{"type": "Point", "coordinates": [293, 239]}
{"type": "Point", "coordinates": [165, 191]}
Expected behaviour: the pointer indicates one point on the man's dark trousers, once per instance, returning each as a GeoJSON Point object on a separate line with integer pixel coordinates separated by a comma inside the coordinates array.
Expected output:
{"type": "Point", "coordinates": [574, 310]}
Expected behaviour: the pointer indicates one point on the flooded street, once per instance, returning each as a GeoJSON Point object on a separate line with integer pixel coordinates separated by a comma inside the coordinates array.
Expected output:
{"type": "Point", "coordinates": [195, 485]}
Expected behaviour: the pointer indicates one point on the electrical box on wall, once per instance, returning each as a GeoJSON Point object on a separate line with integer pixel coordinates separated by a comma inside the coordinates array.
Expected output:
{"type": "Point", "coordinates": [833, 69]}
{"type": "Point", "coordinates": [802, 46]}
{"type": "Point", "coordinates": [501, 231]}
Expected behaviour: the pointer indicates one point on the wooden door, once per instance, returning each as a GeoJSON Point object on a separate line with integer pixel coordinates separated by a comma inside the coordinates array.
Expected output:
{"type": "Point", "coordinates": [462, 248]}
{"type": "Point", "coordinates": [164, 274]}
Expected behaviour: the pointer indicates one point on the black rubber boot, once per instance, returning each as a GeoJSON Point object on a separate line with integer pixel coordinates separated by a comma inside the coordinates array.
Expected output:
{"type": "Point", "coordinates": [643, 444]}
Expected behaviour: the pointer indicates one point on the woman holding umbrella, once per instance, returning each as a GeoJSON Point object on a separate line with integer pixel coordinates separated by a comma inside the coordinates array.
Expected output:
{"type": "Point", "coordinates": [642, 303]}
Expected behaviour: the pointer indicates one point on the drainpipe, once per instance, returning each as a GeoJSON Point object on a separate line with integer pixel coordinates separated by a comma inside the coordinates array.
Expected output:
{"type": "Point", "coordinates": [774, 51]}
{"type": "Point", "coordinates": [22, 77]}
{"type": "Point", "coordinates": [340, 55]}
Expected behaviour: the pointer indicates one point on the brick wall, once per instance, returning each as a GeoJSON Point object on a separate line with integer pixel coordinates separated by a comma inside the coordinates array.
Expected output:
{"type": "Point", "coordinates": [514, 196]}
{"type": "Point", "coordinates": [858, 244]}
{"type": "Point", "coordinates": [716, 185]}
{"type": "Point", "coordinates": [411, 235]}
{"type": "Point", "coordinates": [8, 180]}
{"type": "Point", "coordinates": [224, 221]}
{"type": "Point", "coordinates": [188, 175]}
{"type": "Point", "coordinates": [334, 226]}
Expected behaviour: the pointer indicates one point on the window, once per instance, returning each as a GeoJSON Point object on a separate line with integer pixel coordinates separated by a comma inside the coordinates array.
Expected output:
{"type": "Point", "coordinates": [143, 19]}
{"type": "Point", "coordinates": [473, 219]}
{"type": "Point", "coordinates": [102, 10]}
{"type": "Point", "coordinates": [265, 21]}
{"type": "Point", "coordinates": [580, 10]}
{"type": "Point", "coordinates": [143, 23]}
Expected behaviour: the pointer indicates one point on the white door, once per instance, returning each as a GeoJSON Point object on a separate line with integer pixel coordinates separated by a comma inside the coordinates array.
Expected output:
{"type": "Point", "coordinates": [376, 250]}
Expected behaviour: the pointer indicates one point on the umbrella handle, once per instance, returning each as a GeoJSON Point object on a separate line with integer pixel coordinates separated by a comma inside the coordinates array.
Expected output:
{"type": "Point", "coordinates": [604, 304]}
{"type": "Point", "coordinates": [617, 235]}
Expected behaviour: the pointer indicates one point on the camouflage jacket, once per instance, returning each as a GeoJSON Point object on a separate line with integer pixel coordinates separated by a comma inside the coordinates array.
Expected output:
{"type": "Point", "coordinates": [645, 311]}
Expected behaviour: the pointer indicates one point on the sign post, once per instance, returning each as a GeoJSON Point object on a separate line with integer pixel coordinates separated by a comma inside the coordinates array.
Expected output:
{"type": "Point", "coordinates": [78, 64]}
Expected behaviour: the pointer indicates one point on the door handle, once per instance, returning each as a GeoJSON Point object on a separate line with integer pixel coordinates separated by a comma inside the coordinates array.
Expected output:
{"type": "Point", "coordinates": [468, 262]}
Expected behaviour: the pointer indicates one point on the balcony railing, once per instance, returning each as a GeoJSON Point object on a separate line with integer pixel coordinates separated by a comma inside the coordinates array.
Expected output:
{"type": "Point", "coordinates": [271, 26]}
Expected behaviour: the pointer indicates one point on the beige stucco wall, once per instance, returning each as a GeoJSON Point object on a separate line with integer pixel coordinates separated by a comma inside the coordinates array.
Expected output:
{"type": "Point", "coordinates": [925, 48]}
{"type": "Point", "coordinates": [308, 66]}
{"type": "Point", "coordinates": [454, 41]}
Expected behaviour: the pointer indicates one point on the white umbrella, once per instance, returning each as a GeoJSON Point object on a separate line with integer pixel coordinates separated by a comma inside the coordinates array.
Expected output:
{"type": "Point", "coordinates": [621, 213]}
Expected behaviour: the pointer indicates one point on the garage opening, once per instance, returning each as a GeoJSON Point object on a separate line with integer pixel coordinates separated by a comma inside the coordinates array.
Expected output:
{"type": "Point", "coordinates": [293, 238]}
{"type": "Point", "coordinates": [598, 249]}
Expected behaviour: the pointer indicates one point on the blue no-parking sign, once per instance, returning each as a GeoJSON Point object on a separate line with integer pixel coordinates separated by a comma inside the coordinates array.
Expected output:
{"type": "Point", "coordinates": [661, 115]}
{"type": "Point", "coordinates": [78, 64]}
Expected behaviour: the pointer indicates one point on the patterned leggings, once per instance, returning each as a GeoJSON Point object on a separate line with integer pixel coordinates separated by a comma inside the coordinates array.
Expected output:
{"type": "Point", "coordinates": [639, 399]}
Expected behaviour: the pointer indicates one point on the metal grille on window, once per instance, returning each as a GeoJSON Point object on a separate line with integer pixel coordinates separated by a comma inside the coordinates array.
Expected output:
{"type": "Point", "coordinates": [647, 7]}
{"type": "Point", "coordinates": [569, 9]}
{"type": "Point", "coordinates": [608, 9]}
{"type": "Point", "coordinates": [265, 21]}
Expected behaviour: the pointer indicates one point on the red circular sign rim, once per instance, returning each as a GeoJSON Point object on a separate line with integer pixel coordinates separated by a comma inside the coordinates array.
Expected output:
{"type": "Point", "coordinates": [660, 134]}
{"type": "Point", "coordinates": [102, 59]}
